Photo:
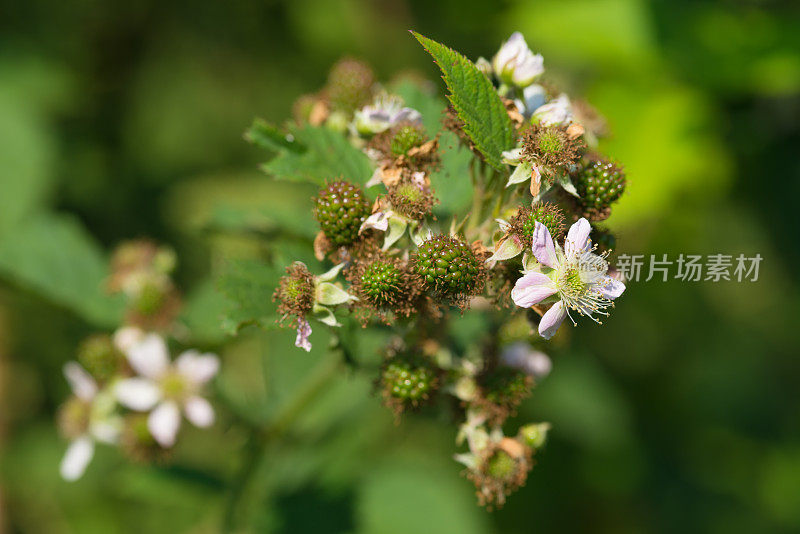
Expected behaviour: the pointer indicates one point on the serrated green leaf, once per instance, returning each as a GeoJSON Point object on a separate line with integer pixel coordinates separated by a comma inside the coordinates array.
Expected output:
{"type": "Point", "coordinates": [54, 256]}
{"type": "Point", "coordinates": [248, 286]}
{"type": "Point", "coordinates": [267, 136]}
{"type": "Point", "coordinates": [475, 101]}
{"type": "Point", "coordinates": [328, 156]}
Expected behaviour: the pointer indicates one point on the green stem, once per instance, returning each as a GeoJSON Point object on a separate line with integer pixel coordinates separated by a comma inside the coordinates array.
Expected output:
{"type": "Point", "coordinates": [261, 438]}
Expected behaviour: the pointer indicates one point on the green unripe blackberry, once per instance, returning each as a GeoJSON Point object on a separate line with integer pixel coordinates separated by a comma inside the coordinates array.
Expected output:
{"type": "Point", "coordinates": [150, 298]}
{"type": "Point", "coordinates": [410, 382]}
{"type": "Point", "coordinates": [98, 355]}
{"type": "Point", "coordinates": [411, 199]}
{"type": "Point", "coordinates": [406, 138]}
{"type": "Point", "coordinates": [551, 146]}
{"type": "Point", "coordinates": [349, 85]}
{"type": "Point", "coordinates": [502, 470]}
{"type": "Point", "coordinates": [382, 282]}
{"type": "Point", "coordinates": [449, 266]}
{"type": "Point", "coordinates": [501, 465]}
{"type": "Point", "coordinates": [599, 184]}
{"type": "Point", "coordinates": [340, 209]}
{"type": "Point", "coordinates": [524, 222]}
{"type": "Point", "coordinates": [295, 292]}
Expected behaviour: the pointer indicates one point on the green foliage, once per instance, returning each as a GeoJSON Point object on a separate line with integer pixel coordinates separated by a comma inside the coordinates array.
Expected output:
{"type": "Point", "coordinates": [451, 182]}
{"type": "Point", "coordinates": [53, 256]}
{"type": "Point", "coordinates": [328, 156]}
{"type": "Point", "coordinates": [475, 100]}
{"type": "Point", "coordinates": [248, 286]}
{"type": "Point", "coordinates": [26, 161]}
{"type": "Point", "coordinates": [265, 135]}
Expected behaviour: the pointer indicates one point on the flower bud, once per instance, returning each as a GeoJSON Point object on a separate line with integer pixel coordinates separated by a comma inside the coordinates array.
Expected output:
{"type": "Point", "coordinates": [516, 64]}
{"type": "Point", "coordinates": [534, 435]}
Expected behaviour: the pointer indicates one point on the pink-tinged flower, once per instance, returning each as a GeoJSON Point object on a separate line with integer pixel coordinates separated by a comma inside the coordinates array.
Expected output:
{"type": "Point", "coordinates": [575, 277]}
{"type": "Point", "coordinates": [88, 418]}
{"type": "Point", "coordinates": [166, 387]}
{"type": "Point", "coordinates": [522, 356]}
{"type": "Point", "coordinates": [516, 64]}
{"type": "Point", "coordinates": [303, 331]}
{"type": "Point", "coordinates": [386, 111]}
{"type": "Point", "coordinates": [557, 111]}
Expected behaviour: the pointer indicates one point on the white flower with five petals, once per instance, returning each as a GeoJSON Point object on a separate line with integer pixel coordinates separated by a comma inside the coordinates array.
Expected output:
{"type": "Point", "coordinates": [167, 387]}
{"type": "Point", "coordinates": [574, 277]}
{"type": "Point", "coordinates": [92, 419]}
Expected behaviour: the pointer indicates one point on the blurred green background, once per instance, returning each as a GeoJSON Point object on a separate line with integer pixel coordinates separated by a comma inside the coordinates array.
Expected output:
{"type": "Point", "coordinates": [680, 414]}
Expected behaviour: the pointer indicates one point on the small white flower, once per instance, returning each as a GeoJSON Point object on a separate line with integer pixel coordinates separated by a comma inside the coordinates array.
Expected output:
{"type": "Point", "coordinates": [575, 275]}
{"type": "Point", "coordinates": [166, 387]}
{"type": "Point", "coordinates": [386, 111]}
{"type": "Point", "coordinates": [516, 64]}
{"type": "Point", "coordinates": [101, 422]}
{"type": "Point", "coordinates": [557, 111]}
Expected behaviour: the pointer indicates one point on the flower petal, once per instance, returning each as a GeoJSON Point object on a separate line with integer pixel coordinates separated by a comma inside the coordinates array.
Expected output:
{"type": "Point", "coordinates": [149, 357]}
{"type": "Point", "coordinates": [199, 412]}
{"type": "Point", "coordinates": [139, 394]}
{"type": "Point", "coordinates": [331, 273]}
{"type": "Point", "coordinates": [164, 423]}
{"type": "Point", "coordinates": [513, 156]}
{"type": "Point", "coordinates": [531, 289]}
{"type": "Point", "coordinates": [552, 319]}
{"type": "Point", "coordinates": [612, 288]}
{"type": "Point", "coordinates": [331, 295]}
{"type": "Point", "coordinates": [506, 249]}
{"type": "Point", "coordinates": [377, 221]}
{"type": "Point", "coordinates": [77, 458]}
{"type": "Point", "coordinates": [522, 173]}
{"type": "Point", "coordinates": [303, 331]}
{"type": "Point", "coordinates": [127, 336]}
{"type": "Point", "coordinates": [578, 237]}
{"type": "Point", "coordinates": [397, 227]}
{"type": "Point", "coordinates": [543, 248]}
{"type": "Point", "coordinates": [81, 382]}
{"type": "Point", "coordinates": [198, 368]}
